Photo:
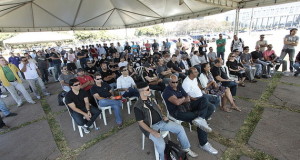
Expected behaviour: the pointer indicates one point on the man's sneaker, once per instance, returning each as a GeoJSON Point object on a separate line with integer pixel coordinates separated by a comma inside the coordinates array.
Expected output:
{"type": "Point", "coordinates": [207, 147]}
{"type": "Point", "coordinates": [190, 152]}
{"type": "Point", "coordinates": [47, 94]}
{"type": "Point", "coordinates": [11, 114]}
{"type": "Point", "coordinates": [296, 74]}
{"type": "Point", "coordinates": [85, 129]}
{"type": "Point", "coordinates": [202, 124]}
{"type": "Point", "coordinates": [20, 104]}
{"type": "Point", "coordinates": [32, 102]}
{"type": "Point", "coordinates": [3, 96]}
{"type": "Point", "coordinates": [92, 126]}
{"type": "Point", "coordinates": [38, 97]}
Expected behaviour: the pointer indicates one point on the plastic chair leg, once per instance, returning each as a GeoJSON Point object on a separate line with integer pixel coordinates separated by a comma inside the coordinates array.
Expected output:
{"type": "Point", "coordinates": [143, 141]}
{"type": "Point", "coordinates": [73, 123]}
{"type": "Point", "coordinates": [80, 131]}
{"type": "Point", "coordinates": [104, 117]}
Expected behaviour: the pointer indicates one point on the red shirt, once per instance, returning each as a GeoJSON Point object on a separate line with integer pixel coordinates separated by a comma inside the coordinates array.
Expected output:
{"type": "Point", "coordinates": [84, 79]}
{"type": "Point", "coordinates": [147, 45]}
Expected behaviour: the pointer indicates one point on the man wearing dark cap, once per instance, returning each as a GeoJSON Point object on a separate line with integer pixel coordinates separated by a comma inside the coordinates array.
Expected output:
{"type": "Point", "coordinates": [151, 122]}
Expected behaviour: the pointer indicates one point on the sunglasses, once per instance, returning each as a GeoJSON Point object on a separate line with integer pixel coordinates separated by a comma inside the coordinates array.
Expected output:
{"type": "Point", "coordinates": [147, 89]}
{"type": "Point", "coordinates": [77, 84]}
{"type": "Point", "coordinates": [175, 82]}
{"type": "Point", "coordinates": [232, 56]}
{"type": "Point", "coordinates": [98, 78]}
{"type": "Point", "coordinates": [124, 70]}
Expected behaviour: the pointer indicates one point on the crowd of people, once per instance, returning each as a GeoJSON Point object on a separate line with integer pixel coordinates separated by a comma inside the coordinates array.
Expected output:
{"type": "Point", "coordinates": [193, 85]}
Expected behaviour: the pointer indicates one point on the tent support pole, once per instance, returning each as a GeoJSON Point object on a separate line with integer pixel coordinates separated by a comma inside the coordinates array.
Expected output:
{"type": "Point", "coordinates": [236, 22]}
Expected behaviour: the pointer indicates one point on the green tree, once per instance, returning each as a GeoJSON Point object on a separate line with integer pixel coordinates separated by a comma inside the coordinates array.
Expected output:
{"type": "Point", "coordinates": [85, 36]}
{"type": "Point", "coordinates": [155, 30]}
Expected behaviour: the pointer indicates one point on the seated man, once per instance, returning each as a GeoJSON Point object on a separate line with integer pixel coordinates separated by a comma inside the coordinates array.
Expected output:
{"type": "Point", "coordinates": [154, 82]}
{"type": "Point", "coordinates": [90, 68]}
{"type": "Point", "coordinates": [220, 76]}
{"type": "Point", "coordinates": [108, 76]}
{"type": "Point", "coordinates": [103, 94]}
{"type": "Point", "coordinates": [174, 66]}
{"type": "Point", "coordinates": [163, 71]}
{"type": "Point", "coordinates": [257, 58]}
{"type": "Point", "coordinates": [78, 102]}
{"type": "Point", "coordinates": [252, 70]}
{"type": "Point", "coordinates": [126, 84]}
{"type": "Point", "coordinates": [65, 77]}
{"type": "Point", "coordinates": [297, 65]}
{"type": "Point", "coordinates": [151, 122]}
{"type": "Point", "coordinates": [86, 83]}
{"type": "Point", "coordinates": [200, 108]}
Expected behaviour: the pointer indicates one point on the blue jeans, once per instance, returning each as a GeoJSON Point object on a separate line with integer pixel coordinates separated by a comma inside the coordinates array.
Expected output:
{"type": "Point", "coordinates": [3, 108]}
{"type": "Point", "coordinates": [220, 55]}
{"type": "Point", "coordinates": [78, 118]}
{"type": "Point", "coordinates": [57, 70]}
{"type": "Point", "coordinates": [213, 99]}
{"type": "Point", "coordinates": [116, 105]}
{"type": "Point", "coordinates": [231, 85]}
{"type": "Point", "coordinates": [172, 127]}
{"type": "Point", "coordinates": [297, 67]}
{"type": "Point", "coordinates": [132, 92]}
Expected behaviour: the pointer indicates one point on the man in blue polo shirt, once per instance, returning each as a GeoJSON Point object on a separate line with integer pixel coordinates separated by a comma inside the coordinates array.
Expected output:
{"type": "Point", "coordinates": [14, 59]}
{"type": "Point", "coordinates": [179, 106]}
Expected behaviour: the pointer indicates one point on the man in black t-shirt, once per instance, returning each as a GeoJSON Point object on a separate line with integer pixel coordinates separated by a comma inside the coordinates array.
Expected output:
{"type": "Point", "coordinates": [220, 76]}
{"type": "Point", "coordinates": [151, 121]}
{"type": "Point", "coordinates": [174, 66]}
{"type": "Point", "coordinates": [103, 94]}
{"type": "Point", "coordinates": [81, 55]}
{"type": "Point", "coordinates": [257, 58]}
{"type": "Point", "coordinates": [108, 76]}
{"type": "Point", "coordinates": [90, 69]}
{"type": "Point", "coordinates": [79, 106]}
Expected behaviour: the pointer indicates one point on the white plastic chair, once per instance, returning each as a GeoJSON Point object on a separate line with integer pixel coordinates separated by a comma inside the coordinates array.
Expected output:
{"type": "Point", "coordinates": [128, 101]}
{"type": "Point", "coordinates": [230, 76]}
{"type": "Point", "coordinates": [163, 135]}
{"type": "Point", "coordinates": [171, 117]}
{"type": "Point", "coordinates": [103, 109]}
{"type": "Point", "coordinates": [73, 122]}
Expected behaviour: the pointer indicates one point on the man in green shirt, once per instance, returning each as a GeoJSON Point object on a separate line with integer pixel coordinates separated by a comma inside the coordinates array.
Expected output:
{"type": "Point", "coordinates": [221, 47]}
{"type": "Point", "coordinates": [11, 81]}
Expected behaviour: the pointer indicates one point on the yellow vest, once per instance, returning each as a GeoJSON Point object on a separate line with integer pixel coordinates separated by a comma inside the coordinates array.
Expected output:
{"type": "Point", "coordinates": [3, 78]}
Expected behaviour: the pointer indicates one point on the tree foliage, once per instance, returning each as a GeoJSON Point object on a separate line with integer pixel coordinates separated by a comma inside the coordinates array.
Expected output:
{"type": "Point", "coordinates": [86, 36]}
{"type": "Point", "coordinates": [155, 30]}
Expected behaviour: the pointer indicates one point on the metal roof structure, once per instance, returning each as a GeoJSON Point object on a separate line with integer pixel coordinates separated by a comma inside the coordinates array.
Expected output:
{"type": "Point", "coordinates": [62, 15]}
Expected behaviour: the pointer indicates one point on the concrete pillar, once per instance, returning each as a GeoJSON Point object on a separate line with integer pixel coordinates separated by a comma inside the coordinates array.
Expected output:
{"type": "Point", "coordinates": [236, 22]}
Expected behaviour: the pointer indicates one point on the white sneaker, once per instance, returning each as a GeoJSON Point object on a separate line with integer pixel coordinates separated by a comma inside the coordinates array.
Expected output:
{"type": "Point", "coordinates": [33, 102]}
{"type": "Point", "coordinates": [85, 129]}
{"type": "Point", "coordinates": [202, 124]}
{"type": "Point", "coordinates": [190, 152]}
{"type": "Point", "coordinates": [92, 126]}
{"type": "Point", "coordinates": [3, 96]}
{"type": "Point", "coordinates": [207, 147]}
{"type": "Point", "coordinates": [38, 97]}
{"type": "Point", "coordinates": [20, 104]}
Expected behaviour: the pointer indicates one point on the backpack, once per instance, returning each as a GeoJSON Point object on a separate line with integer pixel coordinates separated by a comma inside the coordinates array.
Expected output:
{"type": "Point", "coordinates": [174, 152]}
{"type": "Point", "coordinates": [60, 97]}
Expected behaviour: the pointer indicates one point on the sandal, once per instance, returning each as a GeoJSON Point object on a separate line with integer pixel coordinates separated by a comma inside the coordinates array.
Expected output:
{"type": "Point", "coordinates": [236, 108]}
{"type": "Point", "coordinates": [225, 109]}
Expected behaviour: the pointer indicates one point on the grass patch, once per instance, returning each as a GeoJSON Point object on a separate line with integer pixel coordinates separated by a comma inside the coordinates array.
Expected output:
{"type": "Point", "coordinates": [57, 133]}
{"type": "Point", "coordinates": [291, 84]}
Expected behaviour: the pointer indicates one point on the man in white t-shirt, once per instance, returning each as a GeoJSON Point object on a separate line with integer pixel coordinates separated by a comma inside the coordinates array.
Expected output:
{"type": "Point", "coordinates": [195, 61]}
{"type": "Point", "coordinates": [31, 73]}
{"type": "Point", "coordinates": [200, 105]}
{"type": "Point", "coordinates": [237, 43]}
{"type": "Point", "coordinates": [126, 85]}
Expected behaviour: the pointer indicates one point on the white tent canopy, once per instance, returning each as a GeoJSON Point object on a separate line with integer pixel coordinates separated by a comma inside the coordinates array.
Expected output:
{"type": "Point", "coordinates": [60, 15]}
{"type": "Point", "coordinates": [36, 37]}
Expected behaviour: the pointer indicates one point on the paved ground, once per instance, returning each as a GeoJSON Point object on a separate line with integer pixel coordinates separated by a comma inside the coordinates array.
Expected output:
{"type": "Point", "coordinates": [265, 129]}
